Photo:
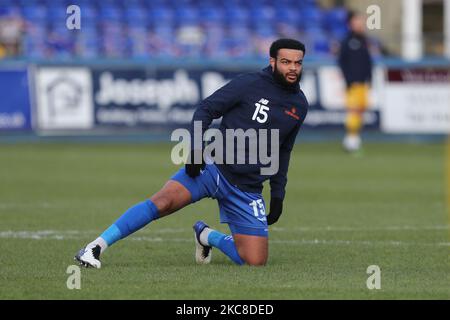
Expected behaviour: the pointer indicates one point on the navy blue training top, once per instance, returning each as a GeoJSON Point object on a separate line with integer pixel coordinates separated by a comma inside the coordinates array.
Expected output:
{"type": "Point", "coordinates": [256, 101]}
{"type": "Point", "coordinates": [355, 60]}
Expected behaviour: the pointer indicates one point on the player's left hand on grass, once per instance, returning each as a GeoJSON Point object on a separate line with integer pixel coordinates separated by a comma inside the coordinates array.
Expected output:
{"type": "Point", "coordinates": [276, 208]}
{"type": "Point", "coordinates": [194, 168]}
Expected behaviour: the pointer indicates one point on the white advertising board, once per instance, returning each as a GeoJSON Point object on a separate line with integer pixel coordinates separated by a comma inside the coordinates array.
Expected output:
{"type": "Point", "coordinates": [64, 98]}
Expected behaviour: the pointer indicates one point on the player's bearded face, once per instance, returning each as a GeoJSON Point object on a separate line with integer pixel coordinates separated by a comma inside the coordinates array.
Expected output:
{"type": "Point", "coordinates": [288, 78]}
{"type": "Point", "coordinates": [287, 68]}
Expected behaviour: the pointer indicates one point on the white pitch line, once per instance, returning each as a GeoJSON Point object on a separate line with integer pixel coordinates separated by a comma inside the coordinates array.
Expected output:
{"type": "Point", "coordinates": [313, 242]}
{"type": "Point", "coordinates": [79, 235]}
{"type": "Point", "coordinates": [53, 233]}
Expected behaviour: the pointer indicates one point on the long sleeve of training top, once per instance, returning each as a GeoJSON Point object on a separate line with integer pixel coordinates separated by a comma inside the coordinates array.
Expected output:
{"type": "Point", "coordinates": [255, 102]}
{"type": "Point", "coordinates": [278, 181]}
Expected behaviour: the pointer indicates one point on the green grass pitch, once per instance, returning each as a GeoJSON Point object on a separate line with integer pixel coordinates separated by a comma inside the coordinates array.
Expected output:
{"type": "Point", "coordinates": [341, 215]}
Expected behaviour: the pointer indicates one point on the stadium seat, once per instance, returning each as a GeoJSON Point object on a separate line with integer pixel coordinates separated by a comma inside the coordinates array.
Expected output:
{"type": "Point", "coordinates": [236, 15]}
{"type": "Point", "coordinates": [154, 3]}
{"type": "Point", "coordinates": [211, 15]}
{"type": "Point", "coordinates": [56, 15]}
{"type": "Point", "coordinates": [336, 23]}
{"type": "Point", "coordinates": [135, 15]}
{"type": "Point", "coordinates": [285, 14]}
{"type": "Point", "coordinates": [161, 42]}
{"type": "Point", "coordinates": [186, 15]}
{"type": "Point", "coordinates": [6, 4]}
{"type": "Point", "coordinates": [312, 17]}
{"type": "Point", "coordinates": [265, 13]}
{"type": "Point", "coordinates": [60, 42]}
{"type": "Point", "coordinates": [160, 15]}
{"type": "Point", "coordinates": [137, 41]}
{"type": "Point", "coordinates": [238, 42]}
{"type": "Point", "coordinates": [87, 45]}
{"type": "Point", "coordinates": [35, 13]}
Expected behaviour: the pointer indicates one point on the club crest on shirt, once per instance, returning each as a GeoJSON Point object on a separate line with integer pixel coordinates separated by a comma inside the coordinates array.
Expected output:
{"type": "Point", "coordinates": [292, 113]}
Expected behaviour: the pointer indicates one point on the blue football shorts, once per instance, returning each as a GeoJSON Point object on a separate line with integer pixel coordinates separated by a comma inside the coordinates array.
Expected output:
{"type": "Point", "coordinates": [244, 212]}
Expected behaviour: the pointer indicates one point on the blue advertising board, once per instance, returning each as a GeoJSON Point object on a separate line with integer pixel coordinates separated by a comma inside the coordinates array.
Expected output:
{"type": "Point", "coordinates": [15, 110]}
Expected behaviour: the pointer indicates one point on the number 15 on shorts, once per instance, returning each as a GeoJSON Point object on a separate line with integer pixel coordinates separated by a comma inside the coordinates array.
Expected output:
{"type": "Point", "coordinates": [258, 209]}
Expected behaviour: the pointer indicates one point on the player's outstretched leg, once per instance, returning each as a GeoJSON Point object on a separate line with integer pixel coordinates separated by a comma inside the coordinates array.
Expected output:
{"type": "Point", "coordinates": [172, 197]}
{"type": "Point", "coordinates": [132, 220]}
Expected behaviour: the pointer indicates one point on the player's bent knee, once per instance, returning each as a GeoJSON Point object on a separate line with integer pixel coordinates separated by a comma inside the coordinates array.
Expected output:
{"type": "Point", "coordinates": [253, 258]}
{"type": "Point", "coordinates": [253, 250]}
{"type": "Point", "coordinates": [256, 262]}
{"type": "Point", "coordinates": [163, 203]}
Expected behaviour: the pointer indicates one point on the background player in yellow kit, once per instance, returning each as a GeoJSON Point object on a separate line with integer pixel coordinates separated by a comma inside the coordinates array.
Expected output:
{"type": "Point", "coordinates": [356, 65]}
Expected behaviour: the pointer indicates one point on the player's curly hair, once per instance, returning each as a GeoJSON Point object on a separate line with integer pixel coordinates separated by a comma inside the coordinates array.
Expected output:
{"type": "Point", "coordinates": [285, 43]}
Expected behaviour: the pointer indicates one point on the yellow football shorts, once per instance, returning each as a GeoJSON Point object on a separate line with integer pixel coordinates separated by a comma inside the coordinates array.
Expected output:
{"type": "Point", "coordinates": [357, 96]}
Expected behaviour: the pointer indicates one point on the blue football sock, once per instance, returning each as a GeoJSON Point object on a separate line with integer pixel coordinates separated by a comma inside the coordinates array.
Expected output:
{"type": "Point", "coordinates": [131, 221]}
{"type": "Point", "coordinates": [225, 244]}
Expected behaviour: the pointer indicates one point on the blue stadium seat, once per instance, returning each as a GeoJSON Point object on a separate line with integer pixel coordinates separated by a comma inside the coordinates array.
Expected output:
{"type": "Point", "coordinates": [211, 15]}
{"type": "Point", "coordinates": [110, 13]}
{"type": "Point", "coordinates": [89, 15]}
{"type": "Point", "coordinates": [34, 48]}
{"type": "Point", "coordinates": [238, 43]}
{"type": "Point", "coordinates": [128, 3]}
{"type": "Point", "coordinates": [185, 15]}
{"type": "Point", "coordinates": [12, 10]}
{"type": "Point", "coordinates": [336, 22]}
{"type": "Point", "coordinates": [319, 41]}
{"type": "Point", "coordinates": [137, 41]}
{"type": "Point", "coordinates": [106, 3]}
{"type": "Point", "coordinates": [33, 13]}
{"type": "Point", "coordinates": [56, 14]}
{"type": "Point", "coordinates": [236, 15]}
{"type": "Point", "coordinates": [34, 41]}
{"type": "Point", "coordinates": [313, 17]}
{"type": "Point", "coordinates": [214, 45]}
{"type": "Point", "coordinates": [60, 42]}
{"type": "Point", "coordinates": [161, 42]}
{"type": "Point", "coordinates": [264, 14]}
{"type": "Point", "coordinates": [87, 44]}
{"type": "Point", "coordinates": [336, 17]}
{"type": "Point", "coordinates": [154, 3]}
{"type": "Point", "coordinates": [160, 15]}
{"type": "Point", "coordinates": [285, 14]}
{"type": "Point", "coordinates": [135, 15]}
{"type": "Point", "coordinates": [51, 3]}
{"type": "Point", "coordinates": [26, 3]}
{"type": "Point", "coordinates": [6, 4]}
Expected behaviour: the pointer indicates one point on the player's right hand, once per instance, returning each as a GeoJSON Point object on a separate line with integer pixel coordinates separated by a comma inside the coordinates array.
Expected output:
{"type": "Point", "coordinates": [192, 168]}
